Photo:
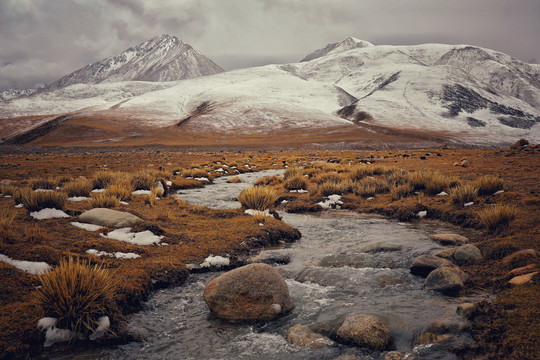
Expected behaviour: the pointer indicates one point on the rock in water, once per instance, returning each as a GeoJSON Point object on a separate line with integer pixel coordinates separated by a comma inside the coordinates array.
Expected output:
{"type": "Point", "coordinates": [447, 280]}
{"type": "Point", "coordinates": [366, 331]}
{"type": "Point", "coordinates": [467, 253]}
{"type": "Point", "coordinates": [108, 217]}
{"type": "Point", "coordinates": [303, 336]}
{"type": "Point", "coordinates": [449, 239]}
{"type": "Point", "coordinates": [249, 293]}
{"type": "Point", "coordinates": [424, 264]}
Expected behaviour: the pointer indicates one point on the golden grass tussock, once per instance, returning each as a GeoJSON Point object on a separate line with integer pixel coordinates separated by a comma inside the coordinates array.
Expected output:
{"type": "Point", "coordinates": [269, 181]}
{"type": "Point", "coordinates": [436, 182]}
{"type": "Point", "coordinates": [463, 194]}
{"type": "Point", "coordinates": [6, 219]}
{"type": "Point", "coordinates": [401, 191]}
{"type": "Point", "coordinates": [234, 180]}
{"type": "Point", "coordinates": [298, 182]}
{"type": "Point", "coordinates": [77, 294]}
{"type": "Point", "coordinates": [258, 197]}
{"type": "Point", "coordinates": [195, 173]}
{"type": "Point", "coordinates": [37, 200]}
{"type": "Point", "coordinates": [151, 198]}
{"type": "Point", "coordinates": [488, 184]}
{"type": "Point", "coordinates": [396, 176]}
{"type": "Point", "coordinates": [102, 179]}
{"type": "Point", "coordinates": [143, 180]}
{"type": "Point", "coordinates": [103, 200]}
{"type": "Point", "coordinates": [336, 188]}
{"type": "Point", "coordinates": [81, 187]}
{"type": "Point", "coordinates": [328, 177]}
{"type": "Point", "coordinates": [358, 172]}
{"type": "Point", "coordinates": [120, 190]}
{"type": "Point", "coordinates": [47, 184]}
{"type": "Point", "coordinates": [419, 178]}
{"type": "Point", "coordinates": [7, 189]}
{"type": "Point", "coordinates": [292, 172]}
{"type": "Point", "coordinates": [497, 216]}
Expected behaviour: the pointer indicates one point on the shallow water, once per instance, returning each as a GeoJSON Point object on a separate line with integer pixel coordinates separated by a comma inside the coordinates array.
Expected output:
{"type": "Point", "coordinates": [344, 263]}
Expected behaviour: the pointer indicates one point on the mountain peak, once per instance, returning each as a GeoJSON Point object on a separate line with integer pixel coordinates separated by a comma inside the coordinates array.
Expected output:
{"type": "Point", "coordinates": [347, 44]}
{"type": "Point", "coordinates": [162, 58]}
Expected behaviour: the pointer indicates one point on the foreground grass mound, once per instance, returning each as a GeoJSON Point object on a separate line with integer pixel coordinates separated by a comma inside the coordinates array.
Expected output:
{"type": "Point", "coordinates": [258, 198]}
{"type": "Point", "coordinates": [77, 294]}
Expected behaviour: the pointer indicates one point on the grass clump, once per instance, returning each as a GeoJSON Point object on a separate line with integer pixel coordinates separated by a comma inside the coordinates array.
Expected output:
{"type": "Point", "coordinates": [143, 180]}
{"type": "Point", "coordinates": [488, 184]}
{"type": "Point", "coordinates": [335, 188]}
{"type": "Point", "coordinates": [463, 194]}
{"type": "Point", "coordinates": [81, 187]}
{"type": "Point", "coordinates": [328, 177]}
{"type": "Point", "coordinates": [37, 200]}
{"type": "Point", "coordinates": [151, 198]}
{"type": "Point", "coordinates": [6, 219]}
{"type": "Point", "coordinates": [497, 216]}
{"type": "Point", "coordinates": [120, 190]}
{"type": "Point", "coordinates": [77, 294]}
{"type": "Point", "coordinates": [292, 172]}
{"type": "Point", "coordinates": [269, 181]}
{"type": "Point", "coordinates": [103, 200]}
{"type": "Point", "coordinates": [296, 183]}
{"type": "Point", "coordinates": [436, 183]}
{"type": "Point", "coordinates": [7, 189]}
{"type": "Point", "coordinates": [46, 184]}
{"type": "Point", "coordinates": [401, 191]}
{"type": "Point", "coordinates": [258, 198]}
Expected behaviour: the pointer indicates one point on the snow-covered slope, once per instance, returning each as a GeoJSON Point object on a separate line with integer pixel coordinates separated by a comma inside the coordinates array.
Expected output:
{"type": "Point", "coordinates": [14, 93]}
{"type": "Point", "coordinates": [164, 58]}
{"type": "Point", "coordinates": [475, 95]}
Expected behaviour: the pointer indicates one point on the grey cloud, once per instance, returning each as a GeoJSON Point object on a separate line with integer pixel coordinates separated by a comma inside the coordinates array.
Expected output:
{"type": "Point", "coordinates": [41, 40]}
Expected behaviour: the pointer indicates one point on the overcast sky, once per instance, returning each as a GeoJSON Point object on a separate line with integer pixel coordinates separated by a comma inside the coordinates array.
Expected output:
{"type": "Point", "coordinates": [42, 40]}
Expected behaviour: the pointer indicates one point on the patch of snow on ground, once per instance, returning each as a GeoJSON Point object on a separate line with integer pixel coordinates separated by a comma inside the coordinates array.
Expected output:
{"type": "Point", "coordinates": [141, 238]}
{"type": "Point", "coordinates": [78, 198]}
{"type": "Point", "coordinates": [48, 213]}
{"type": "Point", "coordinates": [217, 261]}
{"type": "Point", "coordinates": [333, 201]}
{"type": "Point", "coordinates": [203, 179]}
{"type": "Point", "coordinates": [141, 192]}
{"type": "Point", "coordinates": [257, 212]}
{"type": "Point", "coordinates": [53, 334]}
{"type": "Point", "coordinates": [19, 206]}
{"type": "Point", "coordinates": [30, 267]}
{"type": "Point", "coordinates": [118, 255]}
{"type": "Point", "coordinates": [98, 190]}
{"type": "Point", "coordinates": [89, 227]}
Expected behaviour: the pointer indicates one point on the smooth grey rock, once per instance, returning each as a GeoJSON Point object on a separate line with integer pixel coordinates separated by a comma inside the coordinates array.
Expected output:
{"type": "Point", "coordinates": [467, 253]}
{"type": "Point", "coordinates": [367, 331]}
{"type": "Point", "coordinates": [108, 217]}
{"type": "Point", "coordinates": [271, 257]}
{"type": "Point", "coordinates": [424, 264]}
{"type": "Point", "coordinates": [251, 292]}
{"type": "Point", "coordinates": [447, 280]}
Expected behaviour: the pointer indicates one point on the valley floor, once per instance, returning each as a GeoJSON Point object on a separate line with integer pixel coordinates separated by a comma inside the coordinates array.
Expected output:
{"type": "Point", "coordinates": [505, 328]}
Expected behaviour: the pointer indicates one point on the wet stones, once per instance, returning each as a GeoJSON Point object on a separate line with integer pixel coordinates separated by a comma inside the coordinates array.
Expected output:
{"type": "Point", "coordinates": [367, 331]}
{"type": "Point", "coordinates": [467, 253]}
{"type": "Point", "coordinates": [447, 280]}
{"type": "Point", "coordinates": [424, 264]}
{"type": "Point", "coordinates": [449, 239]}
{"type": "Point", "coordinates": [108, 217]}
{"type": "Point", "coordinates": [271, 257]}
{"type": "Point", "coordinates": [302, 335]}
{"type": "Point", "coordinates": [249, 293]}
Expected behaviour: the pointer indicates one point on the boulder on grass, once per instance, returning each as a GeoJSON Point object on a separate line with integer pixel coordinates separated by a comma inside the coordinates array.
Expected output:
{"type": "Point", "coordinates": [367, 331]}
{"type": "Point", "coordinates": [447, 280]}
{"type": "Point", "coordinates": [249, 293]}
{"type": "Point", "coordinates": [108, 217]}
{"type": "Point", "coordinates": [467, 253]}
{"type": "Point", "coordinates": [424, 264]}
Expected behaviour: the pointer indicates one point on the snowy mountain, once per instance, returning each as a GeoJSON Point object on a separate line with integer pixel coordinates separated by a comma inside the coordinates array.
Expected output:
{"type": "Point", "coordinates": [462, 93]}
{"type": "Point", "coordinates": [164, 58]}
{"type": "Point", "coordinates": [14, 93]}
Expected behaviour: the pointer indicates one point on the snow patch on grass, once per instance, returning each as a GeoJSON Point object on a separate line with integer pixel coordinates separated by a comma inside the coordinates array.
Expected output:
{"type": "Point", "coordinates": [48, 213]}
{"type": "Point", "coordinates": [216, 261]}
{"type": "Point", "coordinates": [89, 227]}
{"type": "Point", "coordinates": [118, 255]}
{"type": "Point", "coordinates": [141, 238]}
{"type": "Point", "coordinates": [53, 334]}
{"type": "Point", "coordinates": [30, 267]}
{"type": "Point", "coordinates": [333, 201]}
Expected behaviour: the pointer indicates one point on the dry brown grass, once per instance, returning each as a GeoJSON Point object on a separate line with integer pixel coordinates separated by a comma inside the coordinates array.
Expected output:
{"type": "Point", "coordinates": [37, 200]}
{"type": "Point", "coordinates": [143, 180]}
{"type": "Point", "coordinates": [338, 188]}
{"type": "Point", "coordinates": [488, 184]}
{"type": "Point", "coordinates": [120, 190]}
{"type": "Point", "coordinates": [324, 176]}
{"type": "Point", "coordinates": [234, 180]}
{"type": "Point", "coordinates": [463, 194]}
{"type": "Point", "coordinates": [258, 198]}
{"type": "Point", "coordinates": [7, 189]}
{"type": "Point", "coordinates": [103, 200]}
{"type": "Point", "coordinates": [47, 184]}
{"type": "Point", "coordinates": [436, 182]}
{"type": "Point", "coordinates": [6, 219]}
{"type": "Point", "coordinates": [151, 198]}
{"type": "Point", "coordinates": [292, 172]}
{"type": "Point", "coordinates": [401, 191]}
{"type": "Point", "coordinates": [77, 294]}
{"type": "Point", "coordinates": [195, 173]}
{"type": "Point", "coordinates": [269, 181]}
{"type": "Point", "coordinates": [81, 187]}
{"type": "Point", "coordinates": [298, 182]}
{"type": "Point", "coordinates": [497, 216]}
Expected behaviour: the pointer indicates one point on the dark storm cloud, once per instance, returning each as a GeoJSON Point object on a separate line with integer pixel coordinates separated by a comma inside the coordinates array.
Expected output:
{"type": "Point", "coordinates": [41, 40]}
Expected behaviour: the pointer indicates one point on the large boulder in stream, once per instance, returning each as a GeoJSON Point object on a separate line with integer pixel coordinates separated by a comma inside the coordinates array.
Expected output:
{"type": "Point", "coordinates": [424, 264]}
{"type": "Point", "coordinates": [366, 331]}
{"type": "Point", "coordinates": [467, 253]}
{"type": "Point", "coordinates": [447, 280]}
{"type": "Point", "coordinates": [249, 293]}
{"type": "Point", "coordinates": [302, 335]}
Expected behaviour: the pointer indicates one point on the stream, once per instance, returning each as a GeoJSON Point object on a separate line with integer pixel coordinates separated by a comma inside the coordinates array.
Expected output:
{"type": "Point", "coordinates": [344, 263]}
